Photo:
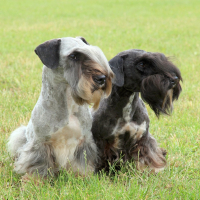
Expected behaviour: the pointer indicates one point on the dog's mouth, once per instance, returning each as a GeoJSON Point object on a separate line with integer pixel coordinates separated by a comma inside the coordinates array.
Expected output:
{"type": "Point", "coordinates": [159, 92]}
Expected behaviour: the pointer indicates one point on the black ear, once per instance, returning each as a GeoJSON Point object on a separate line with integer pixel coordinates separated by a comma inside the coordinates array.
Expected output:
{"type": "Point", "coordinates": [83, 39]}
{"type": "Point", "coordinates": [116, 64]}
{"type": "Point", "coordinates": [48, 53]}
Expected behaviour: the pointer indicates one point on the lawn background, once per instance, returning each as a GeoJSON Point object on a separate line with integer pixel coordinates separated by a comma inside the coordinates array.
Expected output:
{"type": "Point", "coordinates": [168, 26]}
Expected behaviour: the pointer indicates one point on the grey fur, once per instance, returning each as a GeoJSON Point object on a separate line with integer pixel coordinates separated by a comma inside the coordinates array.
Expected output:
{"type": "Point", "coordinates": [52, 138]}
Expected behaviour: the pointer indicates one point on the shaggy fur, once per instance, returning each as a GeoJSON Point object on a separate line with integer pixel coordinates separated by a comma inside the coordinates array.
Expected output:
{"type": "Point", "coordinates": [58, 134]}
{"type": "Point", "coordinates": [121, 124]}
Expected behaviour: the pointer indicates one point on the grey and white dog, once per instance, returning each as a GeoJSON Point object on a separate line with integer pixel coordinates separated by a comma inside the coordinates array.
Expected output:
{"type": "Point", "coordinates": [121, 124]}
{"type": "Point", "coordinates": [58, 134]}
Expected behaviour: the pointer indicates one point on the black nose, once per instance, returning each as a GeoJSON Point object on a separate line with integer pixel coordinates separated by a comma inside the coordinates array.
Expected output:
{"type": "Point", "coordinates": [101, 79]}
{"type": "Point", "coordinates": [175, 78]}
{"type": "Point", "coordinates": [174, 81]}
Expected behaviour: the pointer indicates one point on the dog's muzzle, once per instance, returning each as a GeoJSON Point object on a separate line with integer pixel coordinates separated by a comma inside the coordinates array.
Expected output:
{"type": "Point", "coordinates": [100, 80]}
{"type": "Point", "coordinates": [159, 91]}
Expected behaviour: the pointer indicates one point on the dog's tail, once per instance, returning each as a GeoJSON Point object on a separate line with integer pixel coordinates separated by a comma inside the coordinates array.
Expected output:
{"type": "Point", "coordinates": [16, 140]}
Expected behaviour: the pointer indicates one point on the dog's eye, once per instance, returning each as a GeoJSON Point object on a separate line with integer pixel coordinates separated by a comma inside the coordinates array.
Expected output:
{"type": "Point", "coordinates": [141, 66]}
{"type": "Point", "coordinates": [73, 56]}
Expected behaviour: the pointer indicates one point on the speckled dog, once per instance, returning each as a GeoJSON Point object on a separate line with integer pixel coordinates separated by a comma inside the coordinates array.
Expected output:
{"type": "Point", "coordinates": [58, 134]}
{"type": "Point", "coordinates": [121, 124]}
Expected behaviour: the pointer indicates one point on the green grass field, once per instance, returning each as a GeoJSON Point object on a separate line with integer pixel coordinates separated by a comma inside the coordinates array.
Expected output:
{"type": "Point", "coordinates": [168, 26]}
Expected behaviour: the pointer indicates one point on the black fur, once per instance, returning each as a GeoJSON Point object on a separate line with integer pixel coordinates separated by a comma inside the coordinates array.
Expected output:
{"type": "Point", "coordinates": [48, 52]}
{"type": "Point", "coordinates": [136, 71]}
{"type": "Point", "coordinates": [152, 74]}
{"type": "Point", "coordinates": [83, 39]}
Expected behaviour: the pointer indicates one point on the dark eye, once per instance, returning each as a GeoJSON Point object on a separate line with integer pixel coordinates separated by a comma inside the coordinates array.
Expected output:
{"type": "Point", "coordinates": [141, 66]}
{"type": "Point", "coordinates": [73, 56]}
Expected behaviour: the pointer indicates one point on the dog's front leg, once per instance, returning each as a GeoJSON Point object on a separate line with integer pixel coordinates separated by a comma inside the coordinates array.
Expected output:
{"type": "Point", "coordinates": [86, 152]}
{"type": "Point", "coordinates": [147, 152]}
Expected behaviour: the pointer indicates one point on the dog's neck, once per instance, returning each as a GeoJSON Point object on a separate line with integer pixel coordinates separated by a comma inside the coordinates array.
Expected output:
{"type": "Point", "coordinates": [50, 112]}
{"type": "Point", "coordinates": [123, 101]}
{"type": "Point", "coordinates": [53, 84]}
{"type": "Point", "coordinates": [55, 106]}
{"type": "Point", "coordinates": [120, 104]}
{"type": "Point", "coordinates": [120, 97]}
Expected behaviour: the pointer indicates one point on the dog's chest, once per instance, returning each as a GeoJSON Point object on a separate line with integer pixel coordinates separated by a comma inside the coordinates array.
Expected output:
{"type": "Point", "coordinates": [67, 139]}
{"type": "Point", "coordinates": [125, 129]}
{"type": "Point", "coordinates": [126, 116]}
{"type": "Point", "coordinates": [71, 130]}
{"type": "Point", "coordinates": [128, 109]}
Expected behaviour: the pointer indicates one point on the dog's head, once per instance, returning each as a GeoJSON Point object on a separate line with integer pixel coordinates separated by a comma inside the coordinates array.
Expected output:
{"type": "Point", "coordinates": [84, 67]}
{"type": "Point", "coordinates": [152, 74]}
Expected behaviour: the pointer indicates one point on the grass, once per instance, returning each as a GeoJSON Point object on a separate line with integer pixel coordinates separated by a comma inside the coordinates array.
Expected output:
{"type": "Point", "coordinates": [167, 26]}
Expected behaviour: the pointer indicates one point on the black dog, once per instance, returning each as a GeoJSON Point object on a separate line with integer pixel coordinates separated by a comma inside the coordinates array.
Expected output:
{"type": "Point", "coordinates": [121, 124]}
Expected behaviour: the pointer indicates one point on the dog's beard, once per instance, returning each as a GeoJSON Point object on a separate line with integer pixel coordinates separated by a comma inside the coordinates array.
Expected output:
{"type": "Point", "coordinates": [82, 93]}
{"type": "Point", "coordinates": [85, 92]}
{"type": "Point", "coordinates": [156, 91]}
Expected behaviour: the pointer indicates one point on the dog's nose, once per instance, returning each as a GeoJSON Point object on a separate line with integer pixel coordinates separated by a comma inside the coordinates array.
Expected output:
{"type": "Point", "coordinates": [175, 77]}
{"type": "Point", "coordinates": [101, 79]}
{"type": "Point", "coordinates": [174, 81]}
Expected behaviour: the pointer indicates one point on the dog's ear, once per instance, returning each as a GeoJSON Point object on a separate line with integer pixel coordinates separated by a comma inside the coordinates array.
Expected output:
{"type": "Point", "coordinates": [48, 52]}
{"type": "Point", "coordinates": [83, 39]}
{"type": "Point", "coordinates": [116, 64]}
